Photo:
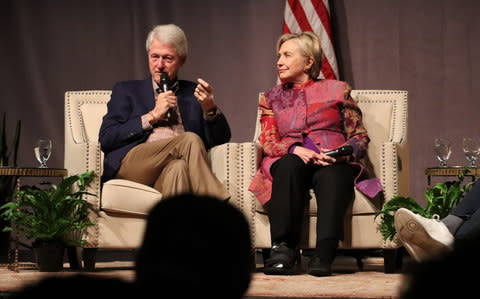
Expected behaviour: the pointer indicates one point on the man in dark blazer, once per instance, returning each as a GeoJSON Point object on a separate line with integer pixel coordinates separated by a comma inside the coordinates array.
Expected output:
{"type": "Point", "coordinates": [156, 131]}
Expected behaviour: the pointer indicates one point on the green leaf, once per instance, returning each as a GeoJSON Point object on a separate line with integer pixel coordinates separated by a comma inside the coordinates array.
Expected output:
{"type": "Point", "coordinates": [50, 213]}
{"type": "Point", "coordinates": [440, 198]}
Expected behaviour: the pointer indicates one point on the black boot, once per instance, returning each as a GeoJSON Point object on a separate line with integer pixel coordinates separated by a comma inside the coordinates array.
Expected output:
{"type": "Point", "coordinates": [321, 262]}
{"type": "Point", "coordinates": [282, 260]}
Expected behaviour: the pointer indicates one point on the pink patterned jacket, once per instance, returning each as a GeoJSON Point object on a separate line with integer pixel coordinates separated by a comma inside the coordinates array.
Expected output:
{"type": "Point", "coordinates": [320, 110]}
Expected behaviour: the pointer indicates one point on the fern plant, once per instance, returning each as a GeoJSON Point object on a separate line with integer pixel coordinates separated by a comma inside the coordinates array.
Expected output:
{"type": "Point", "coordinates": [50, 214]}
{"type": "Point", "coordinates": [440, 198]}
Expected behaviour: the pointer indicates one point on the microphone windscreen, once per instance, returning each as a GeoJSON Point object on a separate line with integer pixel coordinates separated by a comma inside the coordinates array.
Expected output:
{"type": "Point", "coordinates": [164, 81]}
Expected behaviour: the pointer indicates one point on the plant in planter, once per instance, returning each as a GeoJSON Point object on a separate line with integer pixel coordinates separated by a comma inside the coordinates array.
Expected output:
{"type": "Point", "coordinates": [7, 183]}
{"type": "Point", "coordinates": [440, 198]}
{"type": "Point", "coordinates": [49, 215]}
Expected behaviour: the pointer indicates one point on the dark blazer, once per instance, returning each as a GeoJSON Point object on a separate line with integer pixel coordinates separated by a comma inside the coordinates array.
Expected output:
{"type": "Point", "coordinates": [121, 128]}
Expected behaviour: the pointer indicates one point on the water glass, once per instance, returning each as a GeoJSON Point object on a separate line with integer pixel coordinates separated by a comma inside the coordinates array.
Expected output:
{"type": "Point", "coordinates": [471, 148]}
{"type": "Point", "coordinates": [443, 150]}
{"type": "Point", "coordinates": [43, 150]}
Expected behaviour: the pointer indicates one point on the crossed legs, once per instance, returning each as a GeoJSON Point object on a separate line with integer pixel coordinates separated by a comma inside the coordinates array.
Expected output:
{"type": "Point", "coordinates": [173, 166]}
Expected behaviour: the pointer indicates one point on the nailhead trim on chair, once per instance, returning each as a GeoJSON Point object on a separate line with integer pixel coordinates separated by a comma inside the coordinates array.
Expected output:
{"type": "Point", "coordinates": [228, 174]}
{"type": "Point", "coordinates": [394, 178]}
{"type": "Point", "coordinates": [79, 104]}
{"type": "Point", "coordinates": [395, 109]}
{"type": "Point", "coordinates": [239, 169]}
{"type": "Point", "coordinates": [97, 168]}
{"type": "Point", "coordinates": [251, 195]}
{"type": "Point", "coordinates": [395, 139]}
{"type": "Point", "coordinates": [79, 112]}
{"type": "Point", "coordinates": [88, 148]}
{"type": "Point", "coordinates": [96, 187]}
{"type": "Point", "coordinates": [68, 112]}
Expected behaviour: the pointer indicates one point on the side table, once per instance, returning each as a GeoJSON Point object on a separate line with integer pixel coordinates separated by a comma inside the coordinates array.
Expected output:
{"type": "Point", "coordinates": [19, 172]}
{"type": "Point", "coordinates": [473, 172]}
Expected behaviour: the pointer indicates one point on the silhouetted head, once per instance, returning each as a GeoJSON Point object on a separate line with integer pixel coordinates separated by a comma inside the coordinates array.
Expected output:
{"type": "Point", "coordinates": [193, 245]}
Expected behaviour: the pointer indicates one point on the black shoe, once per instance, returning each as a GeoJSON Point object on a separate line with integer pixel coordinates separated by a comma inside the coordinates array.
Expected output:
{"type": "Point", "coordinates": [281, 261]}
{"type": "Point", "coordinates": [319, 267]}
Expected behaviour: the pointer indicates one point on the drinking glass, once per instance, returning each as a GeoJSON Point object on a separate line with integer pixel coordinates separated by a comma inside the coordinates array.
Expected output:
{"type": "Point", "coordinates": [443, 150]}
{"type": "Point", "coordinates": [42, 150]}
{"type": "Point", "coordinates": [471, 148]}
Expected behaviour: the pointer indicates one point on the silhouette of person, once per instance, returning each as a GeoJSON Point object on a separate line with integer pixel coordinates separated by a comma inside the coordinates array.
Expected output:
{"type": "Point", "coordinates": [195, 246]}
{"type": "Point", "coordinates": [445, 276]}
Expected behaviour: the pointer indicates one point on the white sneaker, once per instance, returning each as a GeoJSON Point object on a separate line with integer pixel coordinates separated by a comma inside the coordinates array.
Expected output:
{"type": "Point", "coordinates": [422, 237]}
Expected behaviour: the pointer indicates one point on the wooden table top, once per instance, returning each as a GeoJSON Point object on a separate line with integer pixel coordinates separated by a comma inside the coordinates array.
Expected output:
{"type": "Point", "coordinates": [33, 171]}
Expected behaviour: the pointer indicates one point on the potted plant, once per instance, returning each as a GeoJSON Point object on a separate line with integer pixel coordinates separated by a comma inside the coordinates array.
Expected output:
{"type": "Point", "coordinates": [440, 198]}
{"type": "Point", "coordinates": [49, 216]}
{"type": "Point", "coordinates": [7, 183]}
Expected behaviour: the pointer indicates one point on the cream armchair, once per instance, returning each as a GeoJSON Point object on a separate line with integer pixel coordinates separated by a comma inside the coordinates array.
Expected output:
{"type": "Point", "coordinates": [120, 207]}
{"type": "Point", "coordinates": [385, 117]}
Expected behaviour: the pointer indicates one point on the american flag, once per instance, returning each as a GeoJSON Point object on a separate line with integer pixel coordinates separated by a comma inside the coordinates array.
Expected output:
{"type": "Point", "coordinates": [313, 15]}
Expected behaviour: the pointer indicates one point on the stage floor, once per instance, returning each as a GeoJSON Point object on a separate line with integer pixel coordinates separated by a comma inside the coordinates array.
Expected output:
{"type": "Point", "coordinates": [346, 282]}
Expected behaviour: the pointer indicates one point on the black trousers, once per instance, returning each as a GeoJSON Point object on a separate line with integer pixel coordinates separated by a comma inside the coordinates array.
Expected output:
{"type": "Point", "coordinates": [292, 179]}
{"type": "Point", "coordinates": [468, 209]}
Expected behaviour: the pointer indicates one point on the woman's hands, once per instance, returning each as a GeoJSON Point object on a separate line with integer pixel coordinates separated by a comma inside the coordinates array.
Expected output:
{"type": "Point", "coordinates": [310, 156]}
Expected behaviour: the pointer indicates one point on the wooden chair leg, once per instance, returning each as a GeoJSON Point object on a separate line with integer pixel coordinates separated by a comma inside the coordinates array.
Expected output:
{"type": "Point", "coordinates": [74, 257]}
{"type": "Point", "coordinates": [89, 255]}
{"type": "Point", "coordinates": [359, 261]}
{"type": "Point", "coordinates": [393, 260]}
{"type": "Point", "coordinates": [265, 254]}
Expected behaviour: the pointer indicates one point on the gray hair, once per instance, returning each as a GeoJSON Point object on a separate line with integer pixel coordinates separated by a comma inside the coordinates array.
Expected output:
{"type": "Point", "coordinates": [171, 34]}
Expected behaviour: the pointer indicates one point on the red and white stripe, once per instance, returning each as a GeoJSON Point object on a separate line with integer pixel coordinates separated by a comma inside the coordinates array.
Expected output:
{"type": "Point", "coordinates": [313, 15]}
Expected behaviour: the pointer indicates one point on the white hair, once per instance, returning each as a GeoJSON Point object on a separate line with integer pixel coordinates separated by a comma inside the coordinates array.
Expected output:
{"type": "Point", "coordinates": [171, 34]}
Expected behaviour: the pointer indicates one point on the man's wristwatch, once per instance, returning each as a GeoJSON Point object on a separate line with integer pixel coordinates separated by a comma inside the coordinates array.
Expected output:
{"type": "Point", "coordinates": [212, 113]}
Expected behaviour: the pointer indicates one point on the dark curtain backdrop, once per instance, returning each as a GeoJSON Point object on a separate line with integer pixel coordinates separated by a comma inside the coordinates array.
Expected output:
{"type": "Point", "coordinates": [430, 48]}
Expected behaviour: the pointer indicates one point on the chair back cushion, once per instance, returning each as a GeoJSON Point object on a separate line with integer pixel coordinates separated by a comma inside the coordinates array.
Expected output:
{"type": "Point", "coordinates": [384, 117]}
{"type": "Point", "coordinates": [92, 115]}
{"type": "Point", "coordinates": [85, 112]}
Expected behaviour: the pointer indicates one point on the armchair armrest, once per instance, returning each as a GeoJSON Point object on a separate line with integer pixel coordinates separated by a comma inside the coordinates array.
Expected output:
{"type": "Point", "coordinates": [389, 169]}
{"type": "Point", "coordinates": [83, 157]}
{"type": "Point", "coordinates": [394, 169]}
{"type": "Point", "coordinates": [235, 164]}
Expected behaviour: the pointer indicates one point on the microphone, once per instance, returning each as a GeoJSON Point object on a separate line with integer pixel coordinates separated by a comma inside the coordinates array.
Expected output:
{"type": "Point", "coordinates": [165, 85]}
{"type": "Point", "coordinates": [341, 151]}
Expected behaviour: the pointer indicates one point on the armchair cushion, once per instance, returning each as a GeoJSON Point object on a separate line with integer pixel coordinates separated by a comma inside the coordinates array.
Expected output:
{"type": "Point", "coordinates": [122, 196]}
{"type": "Point", "coordinates": [361, 205]}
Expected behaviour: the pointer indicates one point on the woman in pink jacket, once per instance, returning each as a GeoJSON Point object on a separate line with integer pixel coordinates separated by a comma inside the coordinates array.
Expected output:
{"type": "Point", "coordinates": [302, 118]}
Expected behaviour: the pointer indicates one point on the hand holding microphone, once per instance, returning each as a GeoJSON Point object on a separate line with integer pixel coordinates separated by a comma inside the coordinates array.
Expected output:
{"type": "Point", "coordinates": [325, 158]}
{"type": "Point", "coordinates": [165, 102]}
{"type": "Point", "coordinates": [345, 150]}
{"type": "Point", "coordinates": [165, 86]}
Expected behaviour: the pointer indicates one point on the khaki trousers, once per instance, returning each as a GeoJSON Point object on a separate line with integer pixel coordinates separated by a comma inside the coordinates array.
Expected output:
{"type": "Point", "coordinates": [173, 166]}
